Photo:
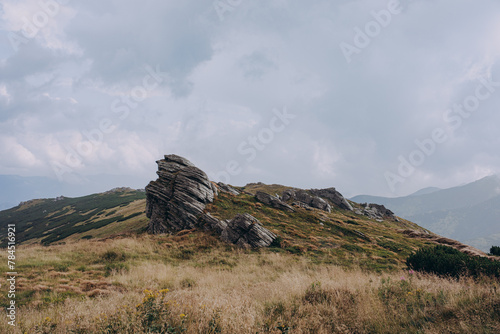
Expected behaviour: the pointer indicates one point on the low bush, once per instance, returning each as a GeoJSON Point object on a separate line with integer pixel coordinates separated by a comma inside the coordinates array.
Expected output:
{"type": "Point", "coordinates": [447, 261]}
{"type": "Point", "coordinates": [495, 250]}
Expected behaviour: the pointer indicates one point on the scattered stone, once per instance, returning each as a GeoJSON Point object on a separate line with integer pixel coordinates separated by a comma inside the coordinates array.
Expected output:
{"type": "Point", "coordinates": [273, 201]}
{"type": "Point", "coordinates": [246, 231]}
{"type": "Point", "coordinates": [333, 196]}
{"type": "Point", "coordinates": [377, 212]}
{"type": "Point", "coordinates": [228, 189]}
{"type": "Point", "coordinates": [304, 197]}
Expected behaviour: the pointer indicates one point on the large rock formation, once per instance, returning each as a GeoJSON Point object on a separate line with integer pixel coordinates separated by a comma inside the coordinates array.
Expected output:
{"type": "Point", "coordinates": [177, 199]}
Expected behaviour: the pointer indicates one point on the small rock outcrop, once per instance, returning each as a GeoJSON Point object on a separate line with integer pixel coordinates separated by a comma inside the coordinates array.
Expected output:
{"type": "Point", "coordinates": [304, 198]}
{"type": "Point", "coordinates": [178, 196]}
{"type": "Point", "coordinates": [210, 223]}
{"type": "Point", "coordinates": [376, 211]}
{"type": "Point", "coordinates": [246, 231]}
{"type": "Point", "coordinates": [177, 199]}
{"type": "Point", "coordinates": [272, 201]}
{"type": "Point", "coordinates": [227, 189]}
{"type": "Point", "coordinates": [333, 196]}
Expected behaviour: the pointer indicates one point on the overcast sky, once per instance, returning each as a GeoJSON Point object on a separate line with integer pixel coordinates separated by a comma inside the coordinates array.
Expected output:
{"type": "Point", "coordinates": [311, 94]}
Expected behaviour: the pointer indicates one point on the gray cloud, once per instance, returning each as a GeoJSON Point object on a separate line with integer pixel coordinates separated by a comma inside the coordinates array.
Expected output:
{"type": "Point", "coordinates": [221, 80]}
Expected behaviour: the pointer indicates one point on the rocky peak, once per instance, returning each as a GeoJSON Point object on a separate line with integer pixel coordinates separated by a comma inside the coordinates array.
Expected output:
{"type": "Point", "coordinates": [177, 199]}
{"type": "Point", "coordinates": [178, 196]}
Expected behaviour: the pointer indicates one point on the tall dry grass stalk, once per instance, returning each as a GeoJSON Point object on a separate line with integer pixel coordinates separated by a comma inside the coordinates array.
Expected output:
{"type": "Point", "coordinates": [244, 292]}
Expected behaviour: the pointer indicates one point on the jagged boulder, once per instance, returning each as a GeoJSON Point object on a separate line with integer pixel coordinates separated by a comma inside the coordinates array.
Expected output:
{"type": "Point", "coordinates": [302, 196]}
{"type": "Point", "coordinates": [333, 196]}
{"type": "Point", "coordinates": [377, 211]}
{"type": "Point", "coordinates": [179, 195]}
{"type": "Point", "coordinates": [210, 223]}
{"type": "Point", "coordinates": [272, 201]}
{"type": "Point", "coordinates": [227, 189]}
{"type": "Point", "coordinates": [246, 231]}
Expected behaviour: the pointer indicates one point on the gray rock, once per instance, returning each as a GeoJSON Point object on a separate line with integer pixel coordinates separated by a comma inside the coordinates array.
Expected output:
{"type": "Point", "coordinates": [228, 189]}
{"type": "Point", "coordinates": [309, 200]}
{"type": "Point", "coordinates": [273, 201]}
{"type": "Point", "coordinates": [246, 231]}
{"type": "Point", "coordinates": [333, 196]}
{"type": "Point", "coordinates": [377, 212]}
{"type": "Point", "coordinates": [178, 197]}
{"type": "Point", "coordinates": [210, 223]}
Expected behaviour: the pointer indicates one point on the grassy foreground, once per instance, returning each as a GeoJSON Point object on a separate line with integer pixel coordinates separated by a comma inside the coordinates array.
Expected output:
{"type": "Point", "coordinates": [192, 283]}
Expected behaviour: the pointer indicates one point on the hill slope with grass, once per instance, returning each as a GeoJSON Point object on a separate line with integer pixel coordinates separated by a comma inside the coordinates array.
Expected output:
{"type": "Point", "coordinates": [60, 219]}
{"type": "Point", "coordinates": [87, 265]}
{"type": "Point", "coordinates": [340, 236]}
{"type": "Point", "coordinates": [468, 213]}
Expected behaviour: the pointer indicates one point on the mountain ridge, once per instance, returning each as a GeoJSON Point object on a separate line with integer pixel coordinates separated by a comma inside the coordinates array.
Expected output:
{"type": "Point", "coordinates": [320, 224]}
{"type": "Point", "coordinates": [465, 213]}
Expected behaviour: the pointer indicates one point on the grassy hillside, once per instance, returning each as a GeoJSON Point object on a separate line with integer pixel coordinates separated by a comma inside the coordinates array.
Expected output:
{"type": "Point", "coordinates": [468, 213]}
{"type": "Point", "coordinates": [86, 265]}
{"type": "Point", "coordinates": [119, 285]}
{"type": "Point", "coordinates": [340, 237]}
{"type": "Point", "coordinates": [53, 220]}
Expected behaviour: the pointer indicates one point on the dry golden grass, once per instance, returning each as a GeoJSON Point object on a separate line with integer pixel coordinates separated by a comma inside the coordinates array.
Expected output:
{"type": "Point", "coordinates": [214, 288]}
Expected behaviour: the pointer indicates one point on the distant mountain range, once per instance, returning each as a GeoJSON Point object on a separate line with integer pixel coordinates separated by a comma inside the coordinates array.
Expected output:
{"type": "Point", "coordinates": [468, 213]}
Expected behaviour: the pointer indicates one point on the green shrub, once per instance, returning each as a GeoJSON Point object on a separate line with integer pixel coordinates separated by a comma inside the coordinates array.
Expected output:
{"type": "Point", "coordinates": [495, 250]}
{"type": "Point", "coordinates": [277, 242]}
{"type": "Point", "coordinates": [447, 261]}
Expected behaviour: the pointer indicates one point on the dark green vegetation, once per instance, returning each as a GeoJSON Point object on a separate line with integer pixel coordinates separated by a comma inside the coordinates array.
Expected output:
{"type": "Point", "coordinates": [495, 250]}
{"type": "Point", "coordinates": [51, 220]}
{"type": "Point", "coordinates": [446, 261]}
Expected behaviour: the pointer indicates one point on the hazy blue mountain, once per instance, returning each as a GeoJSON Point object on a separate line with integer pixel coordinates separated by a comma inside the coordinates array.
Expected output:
{"type": "Point", "coordinates": [468, 213]}
{"type": "Point", "coordinates": [426, 191]}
